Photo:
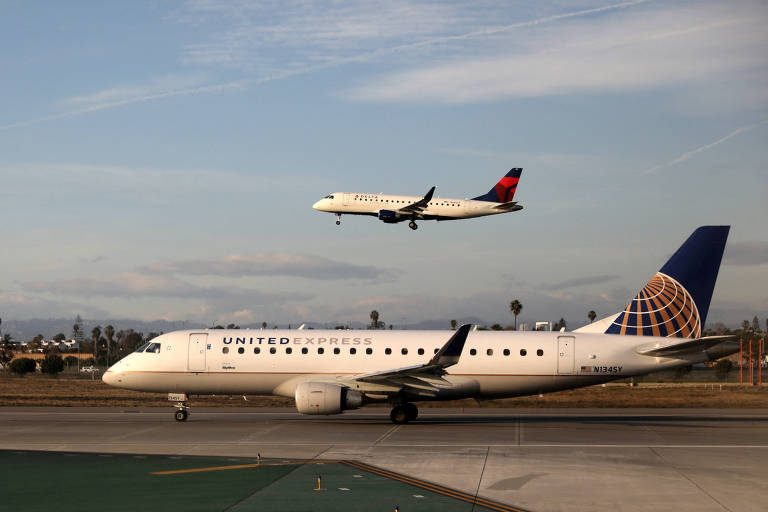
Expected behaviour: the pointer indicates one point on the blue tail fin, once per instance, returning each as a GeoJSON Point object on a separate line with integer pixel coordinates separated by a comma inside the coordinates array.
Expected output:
{"type": "Point", "coordinates": [676, 300]}
{"type": "Point", "coordinates": [504, 190]}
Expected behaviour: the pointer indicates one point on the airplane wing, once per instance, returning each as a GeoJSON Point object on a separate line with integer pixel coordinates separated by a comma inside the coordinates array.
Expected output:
{"type": "Point", "coordinates": [687, 347]}
{"type": "Point", "coordinates": [422, 379]}
{"type": "Point", "coordinates": [419, 205]}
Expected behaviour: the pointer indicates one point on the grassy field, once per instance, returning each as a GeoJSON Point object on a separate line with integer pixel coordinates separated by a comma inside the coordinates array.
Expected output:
{"type": "Point", "coordinates": [36, 390]}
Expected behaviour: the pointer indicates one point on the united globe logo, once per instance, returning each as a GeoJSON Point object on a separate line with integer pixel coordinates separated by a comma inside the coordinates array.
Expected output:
{"type": "Point", "coordinates": [663, 308]}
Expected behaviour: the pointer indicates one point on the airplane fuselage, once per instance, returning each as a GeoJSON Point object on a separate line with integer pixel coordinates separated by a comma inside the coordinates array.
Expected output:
{"type": "Point", "coordinates": [494, 364]}
{"type": "Point", "coordinates": [354, 203]}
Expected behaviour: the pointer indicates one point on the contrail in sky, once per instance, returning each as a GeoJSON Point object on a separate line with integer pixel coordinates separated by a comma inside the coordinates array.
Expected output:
{"type": "Point", "coordinates": [689, 154]}
{"type": "Point", "coordinates": [128, 101]}
{"type": "Point", "coordinates": [332, 63]}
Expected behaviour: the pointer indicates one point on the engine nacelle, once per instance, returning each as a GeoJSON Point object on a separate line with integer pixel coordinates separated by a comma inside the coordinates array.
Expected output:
{"type": "Point", "coordinates": [389, 216]}
{"type": "Point", "coordinates": [326, 398]}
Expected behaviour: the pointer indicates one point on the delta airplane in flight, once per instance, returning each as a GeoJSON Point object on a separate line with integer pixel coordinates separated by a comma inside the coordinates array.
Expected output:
{"type": "Point", "coordinates": [330, 371]}
{"type": "Point", "coordinates": [394, 209]}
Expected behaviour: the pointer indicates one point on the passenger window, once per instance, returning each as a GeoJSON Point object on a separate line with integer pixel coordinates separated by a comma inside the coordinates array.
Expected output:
{"type": "Point", "coordinates": [387, 351]}
{"type": "Point", "coordinates": [288, 350]}
{"type": "Point", "coordinates": [320, 350]}
{"type": "Point", "coordinates": [272, 350]}
{"type": "Point", "coordinates": [304, 350]}
{"type": "Point", "coordinates": [336, 350]}
{"type": "Point", "coordinates": [404, 351]}
{"type": "Point", "coordinates": [506, 351]}
{"type": "Point", "coordinates": [256, 350]}
{"type": "Point", "coordinates": [523, 352]}
{"type": "Point", "coordinates": [473, 352]}
{"type": "Point", "coordinates": [240, 350]}
{"type": "Point", "coordinates": [353, 351]}
{"type": "Point", "coordinates": [369, 351]}
{"type": "Point", "coordinates": [225, 350]}
{"type": "Point", "coordinates": [489, 352]}
{"type": "Point", "coordinates": [421, 351]}
{"type": "Point", "coordinates": [539, 352]}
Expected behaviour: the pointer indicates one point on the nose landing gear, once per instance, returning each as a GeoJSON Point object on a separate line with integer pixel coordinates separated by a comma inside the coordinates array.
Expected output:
{"type": "Point", "coordinates": [182, 409]}
{"type": "Point", "coordinates": [338, 219]}
{"type": "Point", "coordinates": [403, 413]}
{"type": "Point", "coordinates": [413, 225]}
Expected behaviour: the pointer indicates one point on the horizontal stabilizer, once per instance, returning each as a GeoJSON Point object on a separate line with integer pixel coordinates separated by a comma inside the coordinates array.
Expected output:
{"type": "Point", "coordinates": [718, 346]}
{"type": "Point", "coordinates": [511, 206]}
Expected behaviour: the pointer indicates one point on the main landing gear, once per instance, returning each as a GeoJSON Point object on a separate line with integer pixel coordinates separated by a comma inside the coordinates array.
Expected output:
{"type": "Point", "coordinates": [338, 219]}
{"type": "Point", "coordinates": [403, 413]}
{"type": "Point", "coordinates": [413, 225]}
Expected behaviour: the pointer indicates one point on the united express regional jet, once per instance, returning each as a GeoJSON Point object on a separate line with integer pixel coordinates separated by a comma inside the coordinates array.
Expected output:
{"type": "Point", "coordinates": [330, 371]}
{"type": "Point", "coordinates": [393, 209]}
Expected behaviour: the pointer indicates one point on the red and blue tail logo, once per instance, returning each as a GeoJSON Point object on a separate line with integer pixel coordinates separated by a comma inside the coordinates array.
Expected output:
{"type": "Point", "coordinates": [504, 190]}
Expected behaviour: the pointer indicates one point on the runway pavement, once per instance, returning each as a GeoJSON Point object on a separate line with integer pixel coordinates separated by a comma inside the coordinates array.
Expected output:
{"type": "Point", "coordinates": [535, 459]}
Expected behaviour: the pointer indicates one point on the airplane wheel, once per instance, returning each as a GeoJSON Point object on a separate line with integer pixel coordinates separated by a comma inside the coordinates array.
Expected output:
{"type": "Point", "coordinates": [412, 411]}
{"type": "Point", "coordinates": [399, 415]}
{"type": "Point", "coordinates": [338, 222]}
{"type": "Point", "coordinates": [181, 415]}
{"type": "Point", "coordinates": [413, 225]}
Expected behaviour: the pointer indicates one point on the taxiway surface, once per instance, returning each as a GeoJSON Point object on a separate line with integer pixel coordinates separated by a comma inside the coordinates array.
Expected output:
{"type": "Point", "coordinates": [536, 459]}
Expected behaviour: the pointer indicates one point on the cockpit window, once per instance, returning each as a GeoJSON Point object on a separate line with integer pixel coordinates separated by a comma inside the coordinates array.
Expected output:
{"type": "Point", "coordinates": [154, 348]}
{"type": "Point", "coordinates": [329, 197]}
{"type": "Point", "coordinates": [141, 348]}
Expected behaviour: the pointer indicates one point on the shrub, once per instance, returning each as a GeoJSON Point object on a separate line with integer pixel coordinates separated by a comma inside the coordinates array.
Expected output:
{"type": "Point", "coordinates": [70, 361]}
{"type": "Point", "coordinates": [22, 365]}
{"type": "Point", "coordinates": [52, 364]}
{"type": "Point", "coordinates": [722, 367]}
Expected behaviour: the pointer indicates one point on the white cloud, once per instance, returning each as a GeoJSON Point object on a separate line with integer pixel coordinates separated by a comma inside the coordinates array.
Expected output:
{"type": "Point", "coordinates": [627, 50]}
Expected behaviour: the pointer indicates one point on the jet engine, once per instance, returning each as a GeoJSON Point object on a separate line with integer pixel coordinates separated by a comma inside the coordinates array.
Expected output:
{"type": "Point", "coordinates": [326, 398]}
{"type": "Point", "coordinates": [388, 216]}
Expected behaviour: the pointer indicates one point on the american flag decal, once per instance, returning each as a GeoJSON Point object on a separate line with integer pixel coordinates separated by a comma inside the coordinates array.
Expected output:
{"type": "Point", "coordinates": [586, 369]}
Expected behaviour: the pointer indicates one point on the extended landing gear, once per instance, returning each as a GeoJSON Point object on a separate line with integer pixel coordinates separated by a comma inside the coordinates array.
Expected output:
{"type": "Point", "coordinates": [403, 413]}
{"type": "Point", "coordinates": [413, 225]}
{"type": "Point", "coordinates": [338, 219]}
{"type": "Point", "coordinates": [182, 409]}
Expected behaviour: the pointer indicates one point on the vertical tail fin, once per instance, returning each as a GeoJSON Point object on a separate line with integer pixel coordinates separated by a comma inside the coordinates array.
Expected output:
{"type": "Point", "coordinates": [504, 190]}
{"type": "Point", "coordinates": [676, 300]}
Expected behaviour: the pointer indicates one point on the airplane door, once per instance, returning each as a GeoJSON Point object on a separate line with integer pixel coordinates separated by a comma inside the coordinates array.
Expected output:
{"type": "Point", "coordinates": [196, 352]}
{"type": "Point", "coordinates": [345, 199]}
{"type": "Point", "coordinates": [566, 349]}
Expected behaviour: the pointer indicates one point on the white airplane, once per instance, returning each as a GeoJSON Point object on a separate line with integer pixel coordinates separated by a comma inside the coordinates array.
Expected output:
{"type": "Point", "coordinates": [330, 371]}
{"type": "Point", "coordinates": [393, 209]}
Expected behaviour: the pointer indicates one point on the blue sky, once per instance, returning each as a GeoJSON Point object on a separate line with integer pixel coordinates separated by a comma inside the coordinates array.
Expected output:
{"type": "Point", "coordinates": [159, 160]}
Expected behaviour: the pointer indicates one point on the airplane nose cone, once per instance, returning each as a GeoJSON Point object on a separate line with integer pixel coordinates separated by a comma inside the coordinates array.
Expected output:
{"type": "Point", "coordinates": [109, 377]}
{"type": "Point", "coordinates": [316, 206]}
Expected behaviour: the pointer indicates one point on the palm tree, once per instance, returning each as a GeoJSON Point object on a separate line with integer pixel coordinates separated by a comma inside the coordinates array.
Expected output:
{"type": "Point", "coordinates": [591, 315]}
{"type": "Point", "coordinates": [109, 332]}
{"type": "Point", "coordinates": [453, 325]}
{"type": "Point", "coordinates": [515, 307]}
{"type": "Point", "coordinates": [374, 319]}
{"type": "Point", "coordinates": [95, 336]}
{"type": "Point", "coordinates": [263, 325]}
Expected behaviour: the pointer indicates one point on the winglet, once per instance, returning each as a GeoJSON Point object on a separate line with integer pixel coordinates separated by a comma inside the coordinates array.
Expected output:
{"type": "Point", "coordinates": [451, 351]}
{"type": "Point", "coordinates": [428, 197]}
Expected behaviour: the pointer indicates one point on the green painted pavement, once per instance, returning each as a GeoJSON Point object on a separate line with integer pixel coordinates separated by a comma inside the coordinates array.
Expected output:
{"type": "Point", "coordinates": [53, 481]}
